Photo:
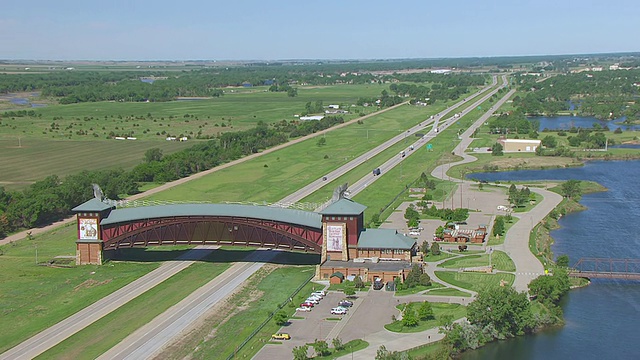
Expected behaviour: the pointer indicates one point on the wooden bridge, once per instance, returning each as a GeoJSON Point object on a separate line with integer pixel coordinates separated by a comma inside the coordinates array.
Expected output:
{"type": "Point", "coordinates": [599, 268]}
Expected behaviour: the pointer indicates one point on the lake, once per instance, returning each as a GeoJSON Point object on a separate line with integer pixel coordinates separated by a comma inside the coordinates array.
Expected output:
{"type": "Point", "coordinates": [566, 122]}
{"type": "Point", "coordinates": [602, 318]}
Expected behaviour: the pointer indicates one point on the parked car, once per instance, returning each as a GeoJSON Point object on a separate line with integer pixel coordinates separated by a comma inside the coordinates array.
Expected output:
{"type": "Point", "coordinates": [377, 285]}
{"type": "Point", "coordinates": [312, 300]}
{"type": "Point", "coordinates": [306, 304]}
{"type": "Point", "coordinates": [303, 309]}
{"type": "Point", "coordinates": [338, 311]}
{"type": "Point", "coordinates": [281, 336]}
{"type": "Point", "coordinates": [321, 293]}
{"type": "Point", "coordinates": [345, 303]}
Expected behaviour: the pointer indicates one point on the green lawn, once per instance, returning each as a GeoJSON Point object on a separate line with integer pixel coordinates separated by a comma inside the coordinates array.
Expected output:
{"type": "Point", "coordinates": [107, 332]}
{"type": "Point", "coordinates": [474, 281]}
{"type": "Point", "coordinates": [418, 288]}
{"type": "Point", "coordinates": [33, 297]}
{"type": "Point", "coordinates": [448, 292]}
{"type": "Point", "coordinates": [439, 309]}
{"type": "Point", "coordinates": [499, 260]}
{"type": "Point", "coordinates": [434, 258]}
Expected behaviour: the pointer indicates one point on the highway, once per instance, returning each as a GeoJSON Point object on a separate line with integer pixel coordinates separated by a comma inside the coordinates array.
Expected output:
{"type": "Point", "coordinates": [319, 183]}
{"type": "Point", "coordinates": [148, 341]}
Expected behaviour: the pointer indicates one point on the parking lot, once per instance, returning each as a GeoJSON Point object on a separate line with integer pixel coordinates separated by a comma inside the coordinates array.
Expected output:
{"type": "Point", "coordinates": [314, 326]}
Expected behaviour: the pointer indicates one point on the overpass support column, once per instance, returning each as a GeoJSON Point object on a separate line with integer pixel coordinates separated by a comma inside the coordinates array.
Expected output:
{"type": "Point", "coordinates": [88, 252]}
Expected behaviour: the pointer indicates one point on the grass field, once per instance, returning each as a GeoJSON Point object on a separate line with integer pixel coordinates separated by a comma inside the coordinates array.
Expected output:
{"type": "Point", "coordinates": [36, 159]}
{"type": "Point", "coordinates": [418, 288]}
{"type": "Point", "coordinates": [156, 120]}
{"type": "Point", "coordinates": [448, 292]}
{"type": "Point", "coordinates": [35, 297]}
{"type": "Point", "coordinates": [439, 309]}
{"type": "Point", "coordinates": [275, 175]}
{"type": "Point", "coordinates": [107, 332]}
{"type": "Point", "coordinates": [474, 281]}
{"type": "Point", "coordinates": [499, 259]}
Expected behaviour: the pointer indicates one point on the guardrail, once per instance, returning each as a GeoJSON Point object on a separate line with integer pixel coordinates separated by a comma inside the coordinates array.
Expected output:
{"type": "Point", "coordinates": [254, 332]}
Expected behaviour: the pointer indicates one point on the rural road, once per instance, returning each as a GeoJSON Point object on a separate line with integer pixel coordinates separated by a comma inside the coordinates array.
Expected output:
{"type": "Point", "coordinates": [516, 243]}
{"type": "Point", "coordinates": [50, 337]}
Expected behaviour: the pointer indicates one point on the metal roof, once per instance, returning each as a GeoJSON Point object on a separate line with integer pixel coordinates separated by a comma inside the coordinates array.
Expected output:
{"type": "Point", "coordinates": [344, 207]}
{"type": "Point", "coordinates": [93, 205]}
{"type": "Point", "coordinates": [291, 216]}
{"type": "Point", "coordinates": [384, 239]}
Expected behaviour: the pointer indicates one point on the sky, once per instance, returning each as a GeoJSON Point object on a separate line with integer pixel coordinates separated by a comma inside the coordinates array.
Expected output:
{"type": "Point", "coordinates": [311, 29]}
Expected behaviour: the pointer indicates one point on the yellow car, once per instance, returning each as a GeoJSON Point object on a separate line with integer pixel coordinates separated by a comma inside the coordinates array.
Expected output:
{"type": "Point", "coordinates": [282, 336]}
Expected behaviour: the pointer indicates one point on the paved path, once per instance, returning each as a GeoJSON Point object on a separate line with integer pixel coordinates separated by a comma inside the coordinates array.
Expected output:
{"type": "Point", "coordinates": [50, 337]}
{"type": "Point", "coordinates": [516, 243]}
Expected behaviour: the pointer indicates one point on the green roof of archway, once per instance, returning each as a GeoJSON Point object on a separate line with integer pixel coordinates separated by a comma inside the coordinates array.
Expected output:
{"type": "Point", "coordinates": [291, 216]}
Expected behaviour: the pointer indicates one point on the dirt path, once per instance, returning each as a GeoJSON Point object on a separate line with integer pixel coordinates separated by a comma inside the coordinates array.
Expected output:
{"type": "Point", "coordinates": [36, 231]}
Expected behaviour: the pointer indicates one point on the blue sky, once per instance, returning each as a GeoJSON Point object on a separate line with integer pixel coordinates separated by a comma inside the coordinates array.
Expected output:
{"type": "Point", "coordinates": [307, 29]}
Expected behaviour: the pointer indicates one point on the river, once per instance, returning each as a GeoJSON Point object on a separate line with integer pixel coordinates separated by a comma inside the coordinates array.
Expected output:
{"type": "Point", "coordinates": [603, 318]}
{"type": "Point", "coordinates": [566, 122]}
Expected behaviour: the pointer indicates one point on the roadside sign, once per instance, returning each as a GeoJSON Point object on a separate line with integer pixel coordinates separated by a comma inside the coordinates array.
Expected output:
{"type": "Point", "coordinates": [479, 107]}
{"type": "Point", "coordinates": [429, 146]}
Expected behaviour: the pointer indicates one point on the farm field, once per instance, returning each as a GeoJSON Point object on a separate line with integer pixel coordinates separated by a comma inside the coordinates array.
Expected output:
{"type": "Point", "coordinates": [206, 117]}
{"type": "Point", "coordinates": [36, 159]}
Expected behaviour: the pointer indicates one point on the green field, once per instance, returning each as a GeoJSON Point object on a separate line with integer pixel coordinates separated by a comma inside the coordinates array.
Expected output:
{"type": "Point", "coordinates": [107, 332]}
{"type": "Point", "coordinates": [474, 281]}
{"type": "Point", "coordinates": [34, 297]}
{"type": "Point", "coordinates": [499, 259]}
{"type": "Point", "coordinates": [439, 309]}
{"type": "Point", "coordinates": [36, 159]}
{"type": "Point", "coordinates": [448, 292]}
{"type": "Point", "coordinates": [156, 120]}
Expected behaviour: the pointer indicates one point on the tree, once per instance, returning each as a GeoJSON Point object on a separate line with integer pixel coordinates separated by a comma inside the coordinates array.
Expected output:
{"type": "Point", "coordinates": [435, 249]}
{"type": "Point", "coordinates": [409, 317]}
{"type": "Point", "coordinates": [322, 141]}
{"type": "Point", "coordinates": [384, 354]}
{"type": "Point", "coordinates": [550, 288]}
{"type": "Point", "coordinates": [337, 343]}
{"type": "Point", "coordinates": [153, 154]}
{"type": "Point", "coordinates": [349, 292]}
{"type": "Point", "coordinates": [571, 189]}
{"type": "Point", "coordinates": [563, 261]}
{"type": "Point", "coordinates": [440, 232]}
{"type": "Point", "coordinates": [281, 318]}
{"type": "Point", "coordinates": [321, 347]}
{"type": "Point", "coordinates": [549, 141]}
{"type": "Point", "coordinates": [424, 247]}
{"type": "Point", "coordinates": [292, 92]}
{"type": "Point", "coordinates": [498, 226]}
{"type": "Point", "coordinates": [425, 279]}
{"type": "Point", "coordinates": [425, 311]}
{"type": "Point", "coordinates": [358, 283]}
{"type": "Point", "coordinates": [497, 149]}
{"type": "Point", "coordinates": [508, 311]}
{"type": "Point", "coordinates": [300, 352]}
{"type": "Point", "coordinates": [413, 278]}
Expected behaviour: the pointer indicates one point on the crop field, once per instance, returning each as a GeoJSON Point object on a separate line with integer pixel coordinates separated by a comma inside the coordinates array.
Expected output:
{"type": "Point", "coordinates": [234, 111]}
{"type": "Point", "coordinates": [36, 159]}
